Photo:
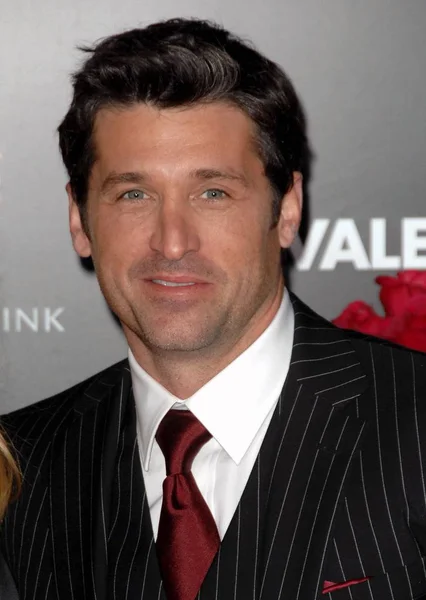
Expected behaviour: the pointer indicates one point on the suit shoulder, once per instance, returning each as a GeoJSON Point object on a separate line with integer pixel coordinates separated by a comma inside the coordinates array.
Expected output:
{"type": "Point", "coordinates": [30, 421]}
{"type": "Point", "coordinates": [381, 347]}
{"type": "Point", "coordinates": [378, 357]}
{"type": "Point", "coordinates": [396, 373]}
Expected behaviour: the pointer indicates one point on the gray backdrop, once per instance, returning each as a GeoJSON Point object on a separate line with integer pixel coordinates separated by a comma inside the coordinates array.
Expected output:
{"type": "Point", "coordinates": [360, 68]}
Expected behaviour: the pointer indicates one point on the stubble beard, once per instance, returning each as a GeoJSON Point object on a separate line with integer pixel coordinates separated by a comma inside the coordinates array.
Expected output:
{"type": "Point", "coordinates": [182, 334]}
{"type": "Point", "coordinates": [206, 335]}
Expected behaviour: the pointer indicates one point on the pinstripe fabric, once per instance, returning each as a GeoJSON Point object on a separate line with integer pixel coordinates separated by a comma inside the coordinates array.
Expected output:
{"type": "Point", "coordinates": [133, 566]}
{"type": "Point", "coordinates": [337, 491]}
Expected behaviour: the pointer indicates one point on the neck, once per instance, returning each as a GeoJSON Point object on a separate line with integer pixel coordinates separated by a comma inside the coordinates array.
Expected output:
{"type": "Point", "coordinates": [184, 373]}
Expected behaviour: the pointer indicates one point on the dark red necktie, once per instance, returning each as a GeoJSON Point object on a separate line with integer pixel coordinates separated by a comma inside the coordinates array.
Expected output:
{"type": "Point", "coordinates": [187, 538]}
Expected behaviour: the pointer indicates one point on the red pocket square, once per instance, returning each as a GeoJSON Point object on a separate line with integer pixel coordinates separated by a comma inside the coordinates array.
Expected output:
{"type": "Point", "coordinates": [332, 586]}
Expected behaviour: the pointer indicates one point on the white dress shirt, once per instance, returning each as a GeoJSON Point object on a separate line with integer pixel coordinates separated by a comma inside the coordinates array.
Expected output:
{"type": "Point", "coordinates": [236, 407]}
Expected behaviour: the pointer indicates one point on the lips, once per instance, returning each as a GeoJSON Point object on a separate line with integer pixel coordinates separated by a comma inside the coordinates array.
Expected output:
{"type": "Point", "coordinates": [167, 279]}
{"type": "Point", "coordinates": [167, 283]}
{"type": "Point", "coordinates": [181, 288]}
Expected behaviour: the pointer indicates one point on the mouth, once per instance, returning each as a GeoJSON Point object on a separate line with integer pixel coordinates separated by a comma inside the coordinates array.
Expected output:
{"type": "Point", "coordinates": [177, 285]}
{"type": "Point", "coordinates": [167, 283]}
{"type": "Point", "coordinates": [177, 290]}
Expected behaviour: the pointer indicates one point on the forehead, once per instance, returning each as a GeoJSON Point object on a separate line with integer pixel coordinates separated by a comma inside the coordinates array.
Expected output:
{"type": "Point", "coordinates": [219, 133]}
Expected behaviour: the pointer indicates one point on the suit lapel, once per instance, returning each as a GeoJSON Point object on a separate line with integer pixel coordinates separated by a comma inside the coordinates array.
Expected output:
{"type": "Point", "coordinates": [133, 567]}
{"type": "Point", "coordinates": [318, 429]}
{"type": "Point", "coordinates": [275, 544]}
{"type": "Point", "coordinates": [84, 455]}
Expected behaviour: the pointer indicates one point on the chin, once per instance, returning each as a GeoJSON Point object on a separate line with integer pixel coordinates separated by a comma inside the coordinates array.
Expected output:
{"type": "Point", "coordinates": [173, 344]}
{"type": "Point", "coordinates": [178, 341]}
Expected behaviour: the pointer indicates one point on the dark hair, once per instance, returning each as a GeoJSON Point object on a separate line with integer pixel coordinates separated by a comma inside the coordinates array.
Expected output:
{"type": "Point", "coordinates": [183, 62]}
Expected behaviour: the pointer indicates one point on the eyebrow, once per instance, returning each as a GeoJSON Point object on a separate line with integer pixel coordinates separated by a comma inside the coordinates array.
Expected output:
{"type": "Point", "coordinates": [208, 174]}
{"type": "Point", "coordinates": [115, 178]}
{"type": "Point", "coordinates": [138, 178]}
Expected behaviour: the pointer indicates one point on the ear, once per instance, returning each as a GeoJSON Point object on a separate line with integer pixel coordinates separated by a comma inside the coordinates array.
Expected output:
{"type": "Point", "coordinates": [80, 239]}
{"type": "Point", "coordinates": [291, 212]}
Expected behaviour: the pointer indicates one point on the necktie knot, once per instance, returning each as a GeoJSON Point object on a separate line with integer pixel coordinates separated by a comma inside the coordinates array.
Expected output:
{"type": "Point", "coordinates": [180, 436]}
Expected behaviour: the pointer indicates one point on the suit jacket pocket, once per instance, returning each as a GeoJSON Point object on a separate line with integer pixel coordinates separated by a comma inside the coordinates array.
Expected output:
{"type": "Point", "coordinates": [403, 583]}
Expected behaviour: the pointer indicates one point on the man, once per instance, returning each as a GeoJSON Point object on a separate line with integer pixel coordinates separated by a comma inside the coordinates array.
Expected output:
{"type": "Point", "coordinates": [292, 453]}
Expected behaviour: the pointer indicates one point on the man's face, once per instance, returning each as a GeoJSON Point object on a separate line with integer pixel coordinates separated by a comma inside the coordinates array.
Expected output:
{"type": "Point", "coordinates": [179, 227]}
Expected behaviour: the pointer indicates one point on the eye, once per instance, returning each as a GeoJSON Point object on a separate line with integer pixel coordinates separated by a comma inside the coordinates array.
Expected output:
{"type": "Point", "coordinates": [134, 195]}
{"type": "Point", "coordinates": [214, 194]}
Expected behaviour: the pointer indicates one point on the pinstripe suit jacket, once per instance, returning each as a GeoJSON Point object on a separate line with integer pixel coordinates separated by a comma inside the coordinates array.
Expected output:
{"type": "Point", "coordinates": [337, 492]}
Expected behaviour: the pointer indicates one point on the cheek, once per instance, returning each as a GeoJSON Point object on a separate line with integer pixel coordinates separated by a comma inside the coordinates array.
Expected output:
{"type": "Point", "coordinates": [258, 260]}
{"type": "Point", "coordinates": [241, 252]}
{"type": "Point", "coordinates": [117, 240]}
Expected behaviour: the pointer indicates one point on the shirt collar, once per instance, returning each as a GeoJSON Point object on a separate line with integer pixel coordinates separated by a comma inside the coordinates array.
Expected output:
{"type": "Point", "coordinates": [244, 392]}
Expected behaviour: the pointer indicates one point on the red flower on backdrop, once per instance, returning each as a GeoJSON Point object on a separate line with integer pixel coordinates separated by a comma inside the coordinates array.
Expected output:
{"type": "Point", "coordinates": [412, 332]}
{"type": "Point", "coordinates": [404, 300]}
{"type": "Point", "coordinates": [397, 292]}
{"type": "Point", "coordinates": [361, 316]}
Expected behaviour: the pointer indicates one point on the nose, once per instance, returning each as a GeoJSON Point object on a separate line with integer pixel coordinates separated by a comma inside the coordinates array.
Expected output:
{"type": "Point", "coordinates": [175, 233]}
